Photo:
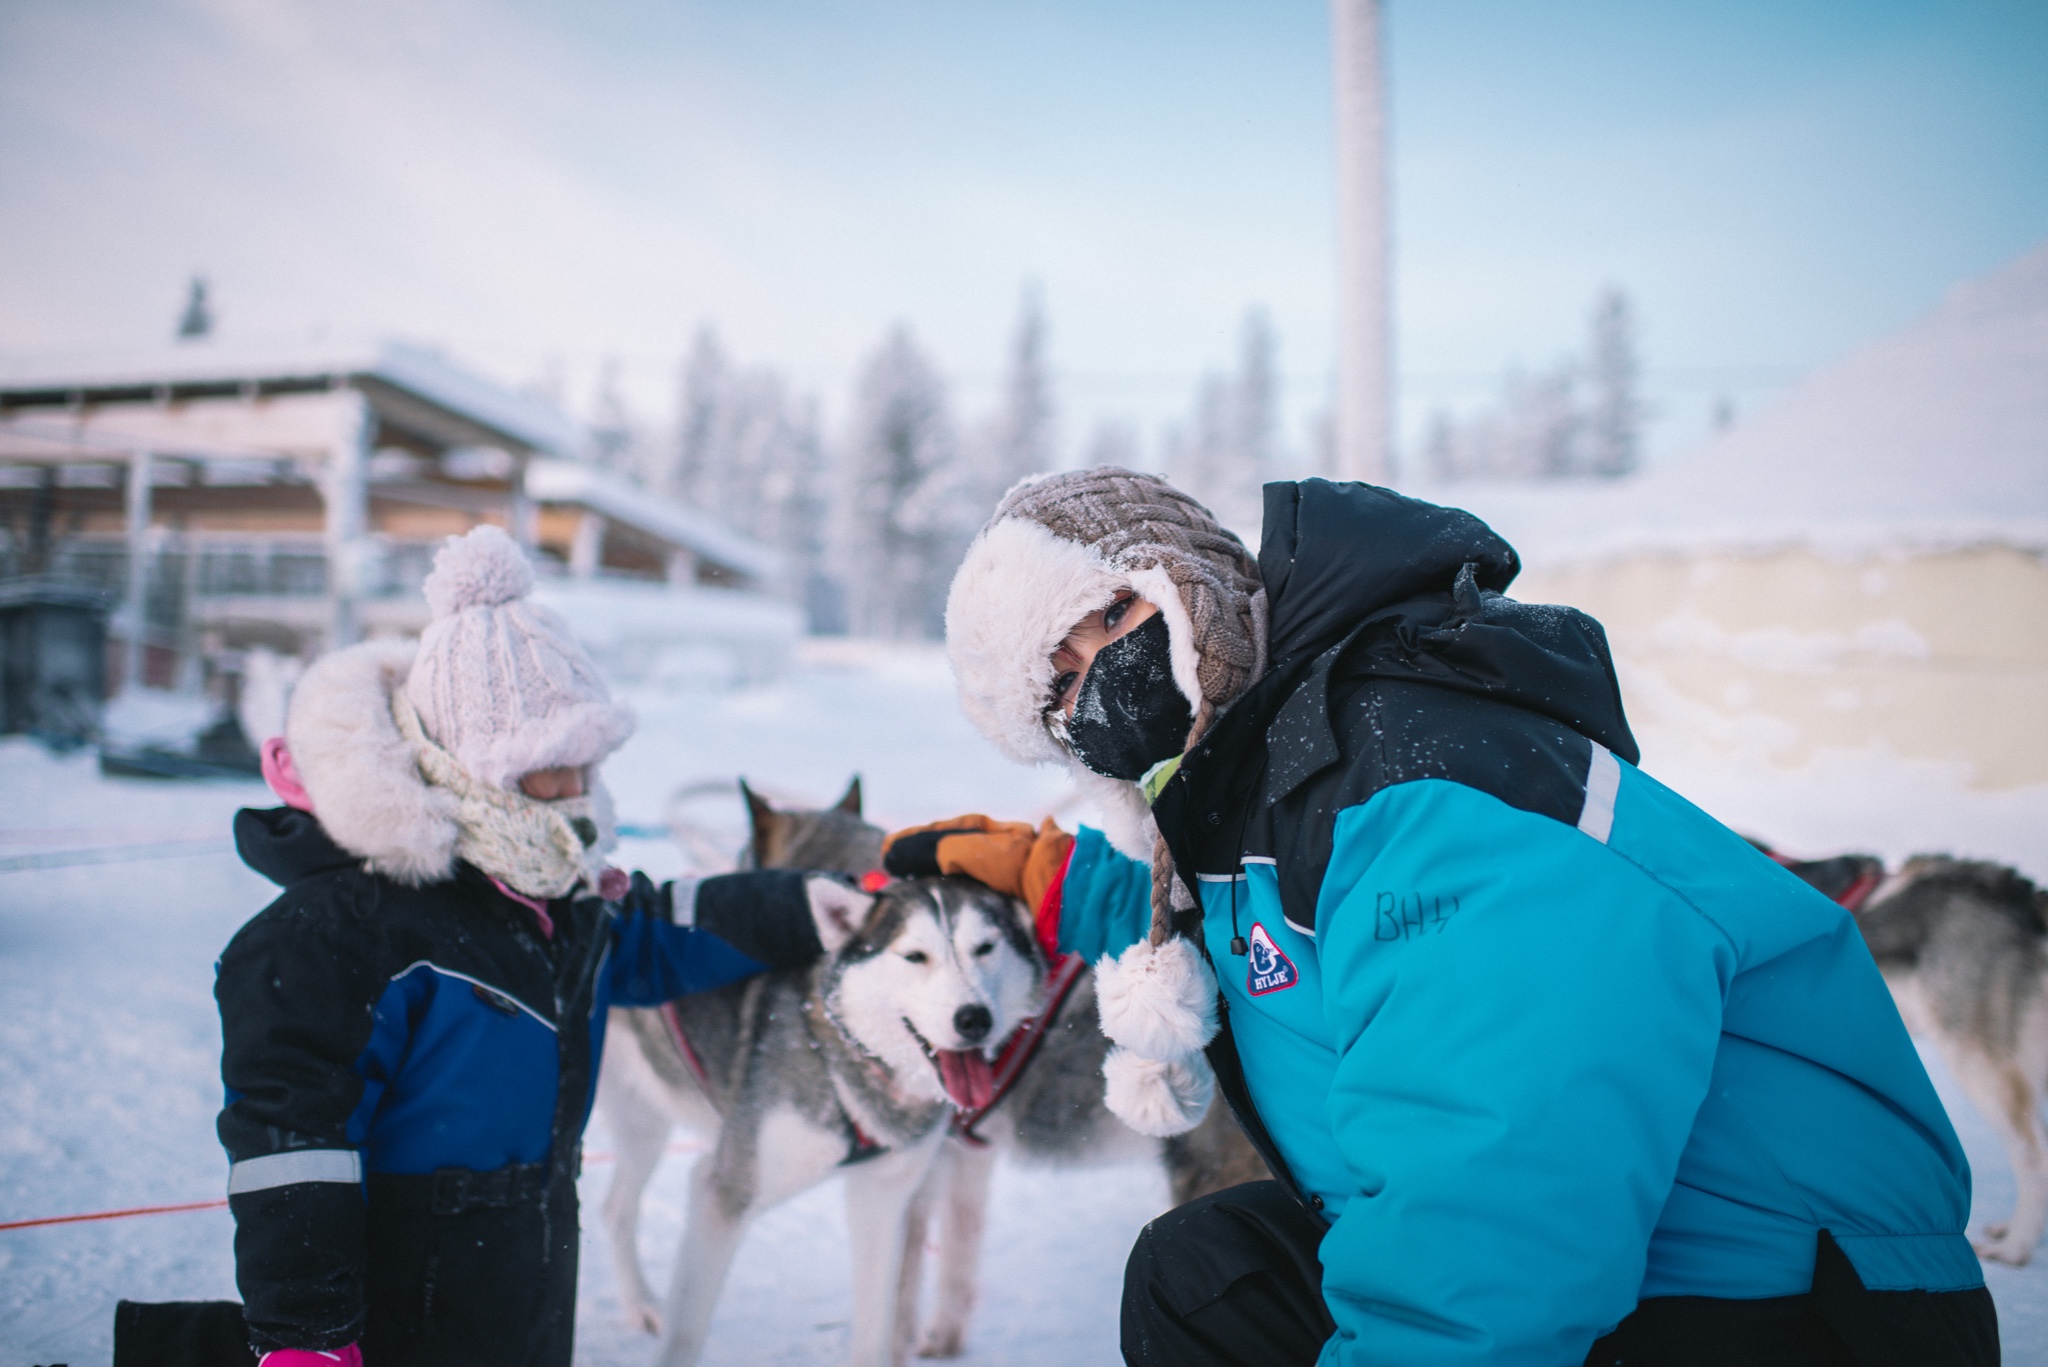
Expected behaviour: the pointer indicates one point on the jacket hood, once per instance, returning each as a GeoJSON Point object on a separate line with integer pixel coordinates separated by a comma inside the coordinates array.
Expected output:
{"type": "Point", "coordinates": [1413, 591]}
{"type": "Point", "coordinates": [285, 844]}
{"type": "Point", "coordinates": [361, 774]}
{"type": "Point", "coordinates": [1332, 555]}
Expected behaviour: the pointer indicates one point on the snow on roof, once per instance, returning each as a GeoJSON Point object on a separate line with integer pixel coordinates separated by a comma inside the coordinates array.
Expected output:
{"type": "Point", "coordinates": [568, 481]}
{"type": "Point", "coordinates": [1934, 437]}
{"type": "Point", "coordinates": [528, 420]}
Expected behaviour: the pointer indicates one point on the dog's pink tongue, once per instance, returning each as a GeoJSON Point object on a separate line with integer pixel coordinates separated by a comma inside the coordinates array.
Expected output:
{"type": "Point", "coordinates": [967, 1078]}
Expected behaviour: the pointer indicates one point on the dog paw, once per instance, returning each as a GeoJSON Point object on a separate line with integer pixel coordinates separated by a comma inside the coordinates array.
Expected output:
{"type": "Point", "coordinates": [943, 1341]}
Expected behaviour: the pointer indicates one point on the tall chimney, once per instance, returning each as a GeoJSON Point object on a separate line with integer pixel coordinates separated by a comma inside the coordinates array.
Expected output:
{"type": "Point", "coordinates": [1365, 399]}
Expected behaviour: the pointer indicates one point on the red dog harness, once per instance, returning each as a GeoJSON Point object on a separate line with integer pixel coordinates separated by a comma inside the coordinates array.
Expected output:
{"type": "Point", "coordinates": [1022, 1046]}
{"type": "Point", "coordinates": [1852, 897]}
{"type": "Point", "coordinates": [1017, 1053]}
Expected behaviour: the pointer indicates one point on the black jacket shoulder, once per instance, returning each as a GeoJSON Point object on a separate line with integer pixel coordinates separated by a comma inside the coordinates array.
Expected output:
{"type": "Point", "coordinates": [1396, 658]}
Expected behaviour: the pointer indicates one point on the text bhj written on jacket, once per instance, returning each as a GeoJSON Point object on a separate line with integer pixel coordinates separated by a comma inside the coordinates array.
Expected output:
{"type": "Point", "coordinates": [1410, 915]}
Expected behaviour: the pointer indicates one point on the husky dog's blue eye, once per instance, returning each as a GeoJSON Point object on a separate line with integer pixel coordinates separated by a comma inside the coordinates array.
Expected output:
{"type": "Point", "coordinates": [917, 956]}
{"type": "Point", "coordinates": [985, 949]}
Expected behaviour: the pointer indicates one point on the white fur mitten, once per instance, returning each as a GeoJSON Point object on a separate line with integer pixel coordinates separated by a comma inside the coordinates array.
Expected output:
{"type": "Point", "coordinates": [1158, 1099]}
{"type": "Point", "coordinates": [1158, 1000]}
{"type": "Point", "coordinates": [1158, 1006]}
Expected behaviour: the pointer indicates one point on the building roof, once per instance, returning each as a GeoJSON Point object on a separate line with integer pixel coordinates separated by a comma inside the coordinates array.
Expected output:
{"type": "Point", "coordinates": [568, 481]}
{"type": "Point", "coordinates": [1933, 437]}
{"type": "Point", "coordinates": [527, 420]}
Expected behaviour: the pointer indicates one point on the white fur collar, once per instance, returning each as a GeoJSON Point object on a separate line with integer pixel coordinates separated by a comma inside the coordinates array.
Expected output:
{"type": "Point", "coordinates": [361, 774]}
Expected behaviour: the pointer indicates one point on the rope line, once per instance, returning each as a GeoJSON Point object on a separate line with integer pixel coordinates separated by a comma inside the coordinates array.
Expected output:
{"type": "Point", "coordinates": [681, 1146]}
{"type": "Point", "coordinates": [111, 854]}
{"type": "Point", "coordinates": [113, 1214]}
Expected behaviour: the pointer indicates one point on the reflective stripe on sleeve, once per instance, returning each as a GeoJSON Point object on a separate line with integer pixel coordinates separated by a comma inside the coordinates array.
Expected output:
{"type": "Point", "coordinates": [297, 1165]}
{"type": "Point", "coordinates": [683, 901]}
{"type": "Point", "coordinates": [1603, 781]}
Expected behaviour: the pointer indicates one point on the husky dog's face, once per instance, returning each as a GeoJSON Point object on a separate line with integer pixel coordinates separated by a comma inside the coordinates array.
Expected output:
{"type": "Point", "coordinates": [933, 982]}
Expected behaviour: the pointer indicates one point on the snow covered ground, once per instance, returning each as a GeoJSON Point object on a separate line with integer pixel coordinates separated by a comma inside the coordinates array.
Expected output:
{"type": "Point", "coordinates": [109, 1043]}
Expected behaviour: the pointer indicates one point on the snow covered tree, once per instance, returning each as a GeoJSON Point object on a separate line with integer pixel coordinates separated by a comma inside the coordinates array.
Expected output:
{"type": "Point", "coordinates": [1022, 440]}
{"type": "Point", "coordinates": [197, 319]}
{"type": "Point", "coordinates": [903, 512]}
{"type": "Point", "coordinates": [1581, 417]}
{"type": "Point", "coordinates": [1114, 443]}
{"type": "Point", "coordinates": [1532, 432]}
{"type": "Point", "coordinates": [616, 441]}
{"type": "Point", "coordinates": [1255, 406]}
{"type": "Point", "coordinates": [1440, 454]}
{"type": "Point", "coordinates": [748, 452]}
{"type": "Point", "coordinates": [1226, 451]}
{"type": "Point", "coordinates": [694, 470]}
{"type": "Point", "coordinates": [1614, 424]}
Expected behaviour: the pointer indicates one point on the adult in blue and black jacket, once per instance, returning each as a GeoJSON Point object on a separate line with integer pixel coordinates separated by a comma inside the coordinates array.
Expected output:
{"type": "Point", "coordinates": [1550, 1065]}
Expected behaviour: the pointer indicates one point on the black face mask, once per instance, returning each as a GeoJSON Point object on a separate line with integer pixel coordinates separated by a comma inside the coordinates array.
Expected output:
{"type": "Point", "coordinates": [1130, 714]}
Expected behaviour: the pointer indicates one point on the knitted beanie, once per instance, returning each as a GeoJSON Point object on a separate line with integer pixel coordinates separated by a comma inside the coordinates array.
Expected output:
{"type": "Point", "coordinates": [1062, 546]}
{"type": "Point", "coordinates": [499, 681]}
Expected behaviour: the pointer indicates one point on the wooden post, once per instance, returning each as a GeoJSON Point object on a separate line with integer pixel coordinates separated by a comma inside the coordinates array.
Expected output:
{"type": "Point", "coordinates": [1365, 407]}
{"type": "Point", "coordinates": [345, 492]}
{"type": "Point", "coordinates": [135, 613]}
{"type": "Point", "coordinates": [586, 552]}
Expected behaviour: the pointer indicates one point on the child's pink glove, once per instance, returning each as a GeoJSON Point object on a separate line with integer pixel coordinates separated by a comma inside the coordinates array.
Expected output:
{"type": "Point", "coordinates": [350, 1356]}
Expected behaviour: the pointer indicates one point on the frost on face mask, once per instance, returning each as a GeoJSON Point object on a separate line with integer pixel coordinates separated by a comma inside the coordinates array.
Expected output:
{"type": "Point", "coordinates": [1130, 714]}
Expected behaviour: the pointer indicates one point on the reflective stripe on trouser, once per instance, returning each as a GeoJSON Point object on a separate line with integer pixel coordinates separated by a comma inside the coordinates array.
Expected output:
{"type": "Point", "coordinates": [296, 1165]}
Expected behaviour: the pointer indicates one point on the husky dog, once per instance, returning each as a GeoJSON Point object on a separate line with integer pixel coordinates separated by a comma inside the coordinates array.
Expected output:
{"type": "Point", "coordinates": [1964, 948]}
{"type": "Point", "coordinates": [855, 1064]}
{"type": "Point", "coordinates": [1052, 1112]}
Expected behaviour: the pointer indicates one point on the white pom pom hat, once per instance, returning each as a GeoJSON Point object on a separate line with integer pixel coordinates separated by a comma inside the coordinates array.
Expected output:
{"type": "Point", "coordinates": [499, 681]}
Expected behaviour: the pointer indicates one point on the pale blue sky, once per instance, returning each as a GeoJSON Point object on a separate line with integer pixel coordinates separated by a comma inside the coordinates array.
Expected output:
{"type": "Point", "coordinates": [519, 180]}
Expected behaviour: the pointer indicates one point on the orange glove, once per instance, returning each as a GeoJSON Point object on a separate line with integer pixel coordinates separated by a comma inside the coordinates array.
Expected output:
{"type": "Point", "coordinates": [1006, 855]}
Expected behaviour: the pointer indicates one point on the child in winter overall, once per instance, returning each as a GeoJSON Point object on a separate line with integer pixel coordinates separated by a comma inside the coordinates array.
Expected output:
{"type": "Point", "coordinates": [412, 1029]}
{"type": "Point", "coordinates": [1550, 1066]}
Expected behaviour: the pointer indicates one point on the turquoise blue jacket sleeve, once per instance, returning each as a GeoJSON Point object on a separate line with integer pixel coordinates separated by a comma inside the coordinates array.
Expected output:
{"type": "Point", "coordinates": [1106, 899]}
{"type": "Point", "coordinates": [1499, 1024]}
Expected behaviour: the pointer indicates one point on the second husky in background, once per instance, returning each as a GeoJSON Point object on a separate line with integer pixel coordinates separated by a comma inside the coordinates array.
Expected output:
{"type": "Point", "coordinates": [1964, 947]}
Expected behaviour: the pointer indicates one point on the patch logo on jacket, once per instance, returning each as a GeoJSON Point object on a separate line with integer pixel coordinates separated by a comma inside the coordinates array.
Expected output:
{"type": "Point", "coordinates": [1271, 969]}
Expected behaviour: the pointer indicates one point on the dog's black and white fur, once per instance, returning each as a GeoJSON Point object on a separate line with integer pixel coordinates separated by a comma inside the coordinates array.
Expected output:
{"type": "Point", "coordinates": [1055, 1113]}
{"type": "Point", "coordinates": [829, 1070]}
{"type": "Point", "coordinates": [1964, 947]}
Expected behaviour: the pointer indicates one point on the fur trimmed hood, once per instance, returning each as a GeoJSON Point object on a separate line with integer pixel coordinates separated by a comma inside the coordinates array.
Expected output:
{"type": "Point", "coordinates": [361, 773]}
{"type": "Point", "coordinates": [1062, 546]}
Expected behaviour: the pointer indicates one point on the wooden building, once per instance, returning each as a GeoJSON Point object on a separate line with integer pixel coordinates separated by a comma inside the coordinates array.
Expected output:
{"type": "Point", "coordinates": [223, 499]}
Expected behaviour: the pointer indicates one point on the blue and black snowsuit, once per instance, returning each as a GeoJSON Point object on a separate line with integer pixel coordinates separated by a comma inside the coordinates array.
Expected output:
{"type": "Point", "coordinates": [408, 1073]}
{"type": "Point", "coordinates": [1538, 1047]}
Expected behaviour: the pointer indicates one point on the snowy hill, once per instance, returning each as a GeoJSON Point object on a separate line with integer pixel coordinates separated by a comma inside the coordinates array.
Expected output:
{"type": "Point", "coordinates": [1933, 438]}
